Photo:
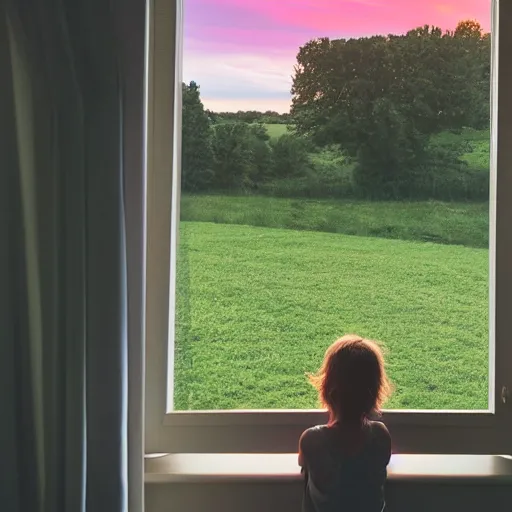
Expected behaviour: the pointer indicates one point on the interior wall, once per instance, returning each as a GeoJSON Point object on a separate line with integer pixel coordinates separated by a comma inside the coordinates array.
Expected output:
{"type": "Point", "coordinates": [287, 497]}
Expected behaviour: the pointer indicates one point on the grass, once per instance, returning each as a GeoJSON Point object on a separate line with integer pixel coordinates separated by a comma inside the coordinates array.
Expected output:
{"type": "Point", "coordinates": [257, 308]}
{"type": "Point", "coordinates": [479, 157]}
{"type": "Point", "coordinates": [276, 130]}
{"type": "Point", "coordinates": [448, 223]}
{"type": "Point", "coordinates": [477, 144]}
{"type": "Point", "coordinates": [266, 284]}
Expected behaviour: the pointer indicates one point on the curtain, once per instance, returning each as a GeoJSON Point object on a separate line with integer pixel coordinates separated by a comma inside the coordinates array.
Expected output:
{"type": "Point", "coordinates": [72, 189]}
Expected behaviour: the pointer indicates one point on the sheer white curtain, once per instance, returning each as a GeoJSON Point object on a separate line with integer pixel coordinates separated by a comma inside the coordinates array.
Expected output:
{"type": "Point", "coordinates": [72, 187]}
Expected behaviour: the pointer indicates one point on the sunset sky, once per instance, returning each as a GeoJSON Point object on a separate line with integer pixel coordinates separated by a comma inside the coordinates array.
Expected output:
{"type": "Point", "coordinates": [242, 52]}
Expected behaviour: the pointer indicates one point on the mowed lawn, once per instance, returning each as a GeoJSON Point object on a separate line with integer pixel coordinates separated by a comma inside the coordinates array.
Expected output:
{"type": "Point", "coordinates": [258, 306]}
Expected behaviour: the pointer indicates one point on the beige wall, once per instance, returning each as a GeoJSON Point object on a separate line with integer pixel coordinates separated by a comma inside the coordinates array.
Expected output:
{"type": "Point", "coordinates": [286, 497]}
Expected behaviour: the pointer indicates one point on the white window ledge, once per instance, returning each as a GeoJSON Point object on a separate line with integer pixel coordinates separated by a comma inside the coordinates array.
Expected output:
{"type": "Point", "coordinates": [222, 468]}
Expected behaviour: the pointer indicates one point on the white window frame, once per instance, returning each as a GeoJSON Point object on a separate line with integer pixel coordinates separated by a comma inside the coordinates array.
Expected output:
{"type": "Point", "coordinates": [278, 430]}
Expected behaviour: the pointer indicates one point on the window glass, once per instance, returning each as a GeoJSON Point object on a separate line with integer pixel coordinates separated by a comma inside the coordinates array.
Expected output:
{"type": "Point", "coordinates": [334, 179]}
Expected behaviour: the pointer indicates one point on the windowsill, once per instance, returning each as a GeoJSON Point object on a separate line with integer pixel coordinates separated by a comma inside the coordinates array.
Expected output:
{"type": "Point", "coordinates": [221, 468]}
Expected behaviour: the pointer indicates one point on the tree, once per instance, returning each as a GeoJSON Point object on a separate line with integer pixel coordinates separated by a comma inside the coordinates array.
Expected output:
{"type": "Point", "coordinates": [262, 157]}
{"type": "Point", "coordinates": [197, 156]}
{"type": "Point", "coordinates": [475, 58]}
{"type": "Point", "coordinates": [242, 155]}
{"type": "Point", "coordinates": [269, 116]}
{"type": "Point", "coordinates": [233, 150]}
{"type": "Point", "coordinates": [380, 98]}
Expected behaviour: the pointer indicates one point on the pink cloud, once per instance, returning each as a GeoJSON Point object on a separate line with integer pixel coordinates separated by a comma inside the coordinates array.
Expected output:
{"type": "Point", "coordinates": [236, 40]}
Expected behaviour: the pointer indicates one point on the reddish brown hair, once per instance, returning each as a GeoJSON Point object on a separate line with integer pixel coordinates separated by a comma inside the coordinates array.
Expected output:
{"type": "Point", "coordinates": [352, 381]}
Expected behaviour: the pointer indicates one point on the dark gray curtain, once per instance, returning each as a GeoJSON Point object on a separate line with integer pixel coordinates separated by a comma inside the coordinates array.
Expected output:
{"type": "Point", "coordinates": [71, 255]}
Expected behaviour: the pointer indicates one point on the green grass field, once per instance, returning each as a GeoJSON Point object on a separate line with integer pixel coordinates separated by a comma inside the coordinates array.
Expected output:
{"type": "Point", "coordinates": [257, 306]}
{"type": "Point", "coordinates": [276, 130]}
{"type": "Point", "coordinates": [427, 221]}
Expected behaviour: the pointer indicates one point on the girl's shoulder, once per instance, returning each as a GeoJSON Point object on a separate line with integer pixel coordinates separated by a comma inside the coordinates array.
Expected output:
{"type": "Point", "coordinates": [313, 436]}
{"type": "Point", "coordinates": [381, 441]}
{"type": "Point", "coordinates": [379, 431]}
{"type": "Point", "coordinates": [315, 432]}
{"type": "Point", "coordinates": [314, 446]}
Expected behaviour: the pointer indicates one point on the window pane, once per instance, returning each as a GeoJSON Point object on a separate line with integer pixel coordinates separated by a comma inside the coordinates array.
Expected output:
{"type": "Point", "coordinates": [335, 179]}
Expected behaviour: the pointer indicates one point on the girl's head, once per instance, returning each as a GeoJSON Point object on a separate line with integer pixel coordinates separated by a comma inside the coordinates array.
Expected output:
{"type": "Point", "coordinates": [352, 381]}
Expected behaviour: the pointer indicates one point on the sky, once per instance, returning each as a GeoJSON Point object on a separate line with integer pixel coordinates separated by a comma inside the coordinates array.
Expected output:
{"type": "Point", "coordinates": [242, 52]}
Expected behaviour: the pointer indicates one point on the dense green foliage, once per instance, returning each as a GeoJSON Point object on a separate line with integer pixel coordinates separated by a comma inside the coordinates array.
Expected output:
{"type": "Point", "coordinates": [242, 155]}
{"type": "Point", "coordinates": [462, 176]}
{"type": "Point", "coordinates": [257, 307]}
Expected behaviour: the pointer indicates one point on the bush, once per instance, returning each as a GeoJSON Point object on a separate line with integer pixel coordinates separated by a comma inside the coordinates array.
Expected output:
{"type": "Point", "coordinates": [333, 174]}
{"type": "Point", "coordinates": [290, 157]}
{"type": "Point", "coordinates": [449, 177]}
{"type": "Point", "coordinates": [261, 154]}
{"type": "Point", "coordinates": [329, 174]}
{"type": "Point", "coordinates": [441, 171]}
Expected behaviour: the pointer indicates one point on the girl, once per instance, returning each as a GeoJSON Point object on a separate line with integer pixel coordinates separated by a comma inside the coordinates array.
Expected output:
{"type": "Point", "coordinates": [345, 461]}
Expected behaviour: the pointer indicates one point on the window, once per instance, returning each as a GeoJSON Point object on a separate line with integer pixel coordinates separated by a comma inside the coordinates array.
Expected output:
{"type": "Point", "coordinates": [450, 407]}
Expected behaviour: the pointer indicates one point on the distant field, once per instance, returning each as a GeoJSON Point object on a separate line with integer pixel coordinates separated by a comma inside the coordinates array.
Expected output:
{"type": "Point", "coordinates": [477, 142]}
{"type": "Point", "coordinates": [276, 130]}
{"type": "Point", "coordinates": [257, 307]}
{"type": "Point", "coordinates": [426, 221]}
{"type": "Point", "coordinates": [479, 157]}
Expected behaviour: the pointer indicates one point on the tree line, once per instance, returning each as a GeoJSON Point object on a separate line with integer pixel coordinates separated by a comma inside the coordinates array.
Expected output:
{"type": "Point", "coordinates": [363, 121]}
{"type": "Point", "coordinates": [250, 116]}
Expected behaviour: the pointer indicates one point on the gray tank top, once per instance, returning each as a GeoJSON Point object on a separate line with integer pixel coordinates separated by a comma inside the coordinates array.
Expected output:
{"type": "Point", "coordinates": [336, 481]}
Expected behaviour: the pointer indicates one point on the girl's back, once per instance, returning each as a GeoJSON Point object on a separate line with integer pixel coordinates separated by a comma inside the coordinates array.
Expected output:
{"type": "Point", "coordinates": [345, 468]}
